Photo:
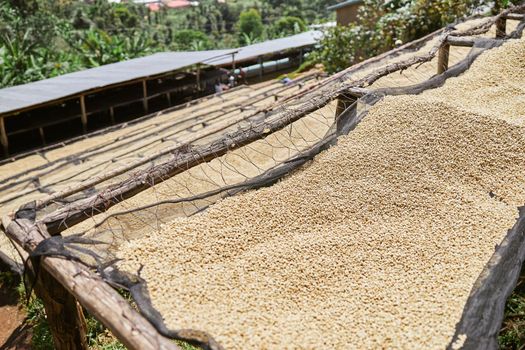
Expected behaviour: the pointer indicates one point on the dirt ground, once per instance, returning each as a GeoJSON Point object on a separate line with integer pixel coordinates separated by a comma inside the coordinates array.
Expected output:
{"type": "Point", "coordinates": [15, 333]}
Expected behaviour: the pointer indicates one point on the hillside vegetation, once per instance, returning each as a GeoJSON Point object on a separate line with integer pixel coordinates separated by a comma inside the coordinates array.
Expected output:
{"type": "Point", "coordinates": [45, 38]}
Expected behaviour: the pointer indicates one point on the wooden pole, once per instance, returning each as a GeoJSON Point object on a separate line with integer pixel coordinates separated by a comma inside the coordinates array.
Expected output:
{"type": "Point", "coordinates": [233, 61]}
{"type": "Point", "coordinates": [501, 27]}
{"type": "Point", "coordinates": [145, 96]}
{"type": "Point", "coordinates": [198, 78]}
{"type": "Point", "coordinates": [168, 97]}
{"type": "Point", "coordinates": [102, 301]}
{"type": "Point", "coordinates": [3, 137]}
{"type": "Point", "coordinates": [42, 135]}
{"type": "Point", "coordinates": [64, 316]}
{"type": "Point", "coordinates": [261, 68]}
{"type": "Point", "coordinates": [112, 115]}
{"type": "Point", "coordinates": [443, 55]}
{"type": "Point", "coordinates": [83, 115]}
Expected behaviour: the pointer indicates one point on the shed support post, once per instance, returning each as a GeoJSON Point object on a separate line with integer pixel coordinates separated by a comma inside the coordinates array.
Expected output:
{"type": "Point", "coordinates": [168, 97]}
{"type": "Point", "coordinates": [233, 61]}
{"type": "Point", "coordinates": [3, 137]}
{"type": "Point", "coordinates": [501, 28]}
{"type": "Point", "coordinates": [42, 135]}
{"type": "Point", "coordinates": [301, 57]}
{"type": "Point", "coordinates": [83, 115]}
{"type": "Point", "coordinates": [443, 55]}
{"type": "Point", "coordinates": [112, 115]}
{"type": "Point", "coordinates": [198, 78]}
{"type": "Point", "coordinates": [64, 315]}
{"type": "Point", "coordinates": [261, 68]}
{"type": "Point", "coordinates": [145, 96]}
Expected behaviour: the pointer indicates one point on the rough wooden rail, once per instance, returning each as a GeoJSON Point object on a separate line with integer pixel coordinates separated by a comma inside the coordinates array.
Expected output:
{"type": "Point", "coordinates": [93, 293]}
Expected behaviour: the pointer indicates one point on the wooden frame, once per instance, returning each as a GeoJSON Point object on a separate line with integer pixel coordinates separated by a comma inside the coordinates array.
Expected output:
{"type": "Point", "coordinates": [91, 291]}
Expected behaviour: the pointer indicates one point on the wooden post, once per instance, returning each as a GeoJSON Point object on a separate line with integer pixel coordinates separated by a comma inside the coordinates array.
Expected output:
{"type": "Point", "coordinates": [443, 55]}
{"type": "Point", "coordinates": [112, 115]}
{"type": "Point", "coordinates": [501, 28]}
{"type": "Point", "coordinates": [145, 96]}
{"type": "Point", "coordinates": [301, 57]}
{"type": "Point", "coordinates": [102, 301]}
{"type": "Point", "coordinates": [3, 137]}
{"type": "Point", "coordinates": [168, 96]}
{"type": "Point", "coordinates": [233, 61]}
{"type": "Point", "coordinates": [83, 116]}
{"type": "Point", "coordinates": [261, 68]}
{"type": "Point", "coordinates": [198, 78]}
{"type": "Point", "coordinates": [42, 135]}
{"type": "Point", "coordinates": [64, 316]}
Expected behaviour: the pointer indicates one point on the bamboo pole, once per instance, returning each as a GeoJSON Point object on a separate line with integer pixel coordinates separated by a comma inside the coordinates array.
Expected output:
{"type": "Point", "coordinates": [102, 301]}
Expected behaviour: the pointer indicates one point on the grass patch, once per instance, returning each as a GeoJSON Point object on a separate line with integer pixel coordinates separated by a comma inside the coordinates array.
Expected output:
{"type": "Point", "coordinates": [98, 336]}
{"type": "Point", "coordinates": [512, 333]}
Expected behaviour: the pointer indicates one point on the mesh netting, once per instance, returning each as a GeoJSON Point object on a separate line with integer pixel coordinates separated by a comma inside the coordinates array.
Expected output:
{"type": "Point", "coordinates": [99, 192]}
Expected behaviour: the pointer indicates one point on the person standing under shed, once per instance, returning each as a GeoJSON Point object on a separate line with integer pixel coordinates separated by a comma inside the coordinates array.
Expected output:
{"type": "Point", "coordinates": [231, 80]}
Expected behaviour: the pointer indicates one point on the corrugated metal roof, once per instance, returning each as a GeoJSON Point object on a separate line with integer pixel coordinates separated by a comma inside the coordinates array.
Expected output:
{"type": "Point", "coordinates": [251, 52]}
{"type": "Point", "coordinates": [27, 95]}
{"type": "Point", "coordinates": [344, 4]}
{"type": "Point", "coordinates": [23, 96]}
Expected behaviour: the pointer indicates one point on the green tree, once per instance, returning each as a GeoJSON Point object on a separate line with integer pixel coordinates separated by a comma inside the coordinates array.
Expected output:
{"type": "Point", "coordinates": [383, 23]}
{"type": "Point", "coordinates": [250, 26]}
{"type": "Point", "coordinates": [288, 25]}
{"type": "Point", "coordinates": [188, 39]}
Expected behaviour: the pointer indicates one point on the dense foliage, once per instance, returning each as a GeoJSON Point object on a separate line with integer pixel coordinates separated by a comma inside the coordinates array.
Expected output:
{"type": "Point", "coordinates": [45, 38]}
{"type": "Point", "coordinates": [385, 23]}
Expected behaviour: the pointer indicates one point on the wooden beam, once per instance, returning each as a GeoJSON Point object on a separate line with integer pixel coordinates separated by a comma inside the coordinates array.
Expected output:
{"type": "Point", "coordinates": [514, 16]}
{"type": "Point", "coordinates": [461, 41]}
{"type": "Point", "coordinates": [42, 135]}
{"type": "Point", "coordinates": [168, 97]}
{"type": "Point", "coordinates": [443, 55]}
{"type": "Point", "coordinates": [3, 137]}
{"type": "Point", "coordinates": [145, 96]}
{"type": "Point", "coordinates": [102, 301]}
{"type": "Point", "coordinates": [83, 115]}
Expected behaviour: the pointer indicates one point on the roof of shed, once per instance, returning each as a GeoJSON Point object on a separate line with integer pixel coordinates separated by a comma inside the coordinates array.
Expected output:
{"type": "Point", "coordinates": [17, 98]}
{"type": "Point", "coordinates": [23, 96]}
{"type": "Point", "coordinates": [254, 51]}
{"type": "Point", "coordinates": [345, 4]}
